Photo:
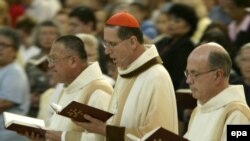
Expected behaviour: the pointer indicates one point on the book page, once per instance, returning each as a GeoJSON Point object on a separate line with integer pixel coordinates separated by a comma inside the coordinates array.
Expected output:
{"type": "Point", "coordinates": [188, 91]}
{"type": "Point", "coordinates": [132, 137]}
{"type": "Point", "coordinates": [38, 61]}
{"type": "Point", "coordinates": [57, 108]}
{"type": "Point", "coordinates": [10, 118]}
{"type": "Point", "coordinates": [149, 134]}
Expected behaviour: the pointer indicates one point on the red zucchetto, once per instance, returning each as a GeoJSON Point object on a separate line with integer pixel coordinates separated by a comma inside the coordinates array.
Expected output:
{"type": "Point", "coordinates": [124, 19]}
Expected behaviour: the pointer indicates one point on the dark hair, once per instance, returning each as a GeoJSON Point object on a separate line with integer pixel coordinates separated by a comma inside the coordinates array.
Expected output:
{"type": "Point", "coordinates": [241, 3]}
{"type": "Point", "coordinates": [75, 44]}
{"type": "Point", "coordinates": [44, 24]}
{"type": "Point", "coordinates": [186, 13]}
{"type": "Point", "coordinates": [217, 37]}
{"type": "Point", "coordinates": [126, 32]}
{"type": "Point", "coordinates": [26, 24]}
{"type": "Point", "coordinates": [84, 14]}
{"type": "Point", "coordinates": [12, 35]}
{"type": "Point", "coordinates": [220, 60]}
{"type": "Point", "coordinates": [141, 7]}
{"type": "Point", "coordinates": [217, 32]}
{"type": "Point", "coordinates": [217, 25]}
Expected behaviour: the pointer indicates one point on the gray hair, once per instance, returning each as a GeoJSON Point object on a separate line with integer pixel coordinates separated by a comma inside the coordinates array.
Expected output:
{"type": "Point", "coordinates": [220, 60]}
{"type": "Point", "coordinates": [238, 57]}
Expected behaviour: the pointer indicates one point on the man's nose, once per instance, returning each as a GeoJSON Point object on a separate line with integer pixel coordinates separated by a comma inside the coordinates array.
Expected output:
{"type": "Point", "coordinates": [107, 51]}
{"type": "Point", "coordinates": [189, 80]}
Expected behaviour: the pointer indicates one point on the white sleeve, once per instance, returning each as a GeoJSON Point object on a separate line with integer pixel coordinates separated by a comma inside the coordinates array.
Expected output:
{"type": "Point", "coordinates": [99, 99]}
{"type": "Point", "coordinates": [235, 118]}
{"type": "Point", "coordinates": [63, 136]}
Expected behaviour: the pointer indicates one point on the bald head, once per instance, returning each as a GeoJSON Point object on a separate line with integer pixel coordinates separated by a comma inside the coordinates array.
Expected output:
{"type": "Point", "coordinates": [213, 55]}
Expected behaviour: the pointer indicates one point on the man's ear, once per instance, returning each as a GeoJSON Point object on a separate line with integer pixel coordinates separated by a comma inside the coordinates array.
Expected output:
{"type": "Point", "coordinates": [73, 61]}
{"type": "Point", "coordinates": [219, 75]}
{"type": "Point", "coordinates": [133, 42]}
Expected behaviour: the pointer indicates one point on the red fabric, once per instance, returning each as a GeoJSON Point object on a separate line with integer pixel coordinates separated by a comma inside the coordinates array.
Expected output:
{"type": "Point", "coordinates": [123, 19]}
{"type": "Point", "coordinates": [15, 11]}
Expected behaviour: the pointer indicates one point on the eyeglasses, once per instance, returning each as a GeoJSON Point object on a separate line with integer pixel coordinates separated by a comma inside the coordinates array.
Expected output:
{"type": "Point", "coordinates": [4, 45]}
{"type": "Point", "coordinates": [54, 60]}
{"type": "Point", "coordinates": [194, 75]}
{"type": "Point", "coordinates": [109, 44]}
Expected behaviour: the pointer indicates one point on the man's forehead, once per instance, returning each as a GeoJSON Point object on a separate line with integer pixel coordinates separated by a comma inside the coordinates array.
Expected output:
{"type": "Point", "coordinates": [111, 28]}
{"type": "Point", "coordinates": [57, 48]}
{"type": "Point", "coordinates": [197, 62]}
{"type": "Point", "coordinates": [110, 33]}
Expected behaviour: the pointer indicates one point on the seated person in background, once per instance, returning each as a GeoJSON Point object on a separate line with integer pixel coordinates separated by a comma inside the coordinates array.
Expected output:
{"type": "Point", "coordinates": [14, 86]}
{"type": "Point", "coordinates": [239, 27]}
{"type": "Point", "coordinates": [25, 27]}
{"type": "Point", "coordinates": [219, 104]}
{"type": "Point", "coordinates": [91, 46]}
{"type": "Point", "coordinates": [217, 32]}
{"type": "Point", "coordinates": [174, 50]}
{"type": "Point", "coordinates": [243, 62]}
{"type": "Point", "coordinates": [46, 33]}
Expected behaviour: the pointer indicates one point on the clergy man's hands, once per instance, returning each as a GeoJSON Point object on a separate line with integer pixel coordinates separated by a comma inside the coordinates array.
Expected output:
{"type": "Point", "coordinates": [53, 135]}
{"type": "Point", "coordinates": [94, 125]}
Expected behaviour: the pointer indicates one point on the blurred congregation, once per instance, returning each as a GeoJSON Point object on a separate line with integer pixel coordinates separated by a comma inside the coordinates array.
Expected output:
{"type": "Point", "coordinates": [28, 28]}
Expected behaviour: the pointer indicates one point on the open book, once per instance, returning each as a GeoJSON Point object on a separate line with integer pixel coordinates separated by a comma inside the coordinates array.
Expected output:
{"type": "Point", "coordinates": [22, 124]}
{"type": "Point", "coordinates": [187, 91]}
{"type": "Point", "coordinates": [76, 111]}
{"type": "Point", "coordinates": [41, 63]}
{"type": "Point", "coordinates": [158, 134]}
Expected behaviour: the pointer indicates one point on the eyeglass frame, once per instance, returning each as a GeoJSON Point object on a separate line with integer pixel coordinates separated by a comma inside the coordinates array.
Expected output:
{"type": "Point", "coordinates": [110, 44]}
{"type": "Point", "coordinates": [195, 75]}
{"type": "Point", "coordinates": [54, 60]}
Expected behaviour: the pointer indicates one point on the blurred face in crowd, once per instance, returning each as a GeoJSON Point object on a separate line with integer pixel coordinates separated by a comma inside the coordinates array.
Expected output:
{"type": "Point", "coordinates": [209, 4]}
{"type": "Point", "coordinates": [62, 21]}
{"type": "Point", "coordinates": [244, 62]}
{"type": "Point", "coordinates": [25, 38]}
{"type": "Point", "coordinates": [76, 26]}
{"type": "Point", "coordinates": [119, 51]}
{"type": "Point", "coordinates": [92, 53]}
{"type": "Point", "coordinates": [46, 36]}
{"type": "Point", "coordinates": [233, 11]}
{"type": "Point", "coordinates": [177, 26]}
{"type": "Point", "coordinates": [72, 3]}
{"type": "Point", "coordinates": [139, 15]}
{"type": "Point", "coordinates": [7, 51]}
{"type": "Point", "coordinates": [101, 17]}
{"type": "Point", "coordinates": [60, 63]}
{"type": "Point", "coordinates": [161, 23]}
{"type": "Point", "coordinates": [200, 76]}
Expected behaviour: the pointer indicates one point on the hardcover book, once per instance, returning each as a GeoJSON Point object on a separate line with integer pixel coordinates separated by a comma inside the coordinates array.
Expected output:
{"type": "Point", "coordinates": [76, 111]}
{"type": "Point", "coordinates": [41, 63]}
{"type": "Point", "coordinates": [22, 124]}
{"type": "Point", "coordinates": [184, 99]}
{"type": "Point", "coordinates": [158, 134]}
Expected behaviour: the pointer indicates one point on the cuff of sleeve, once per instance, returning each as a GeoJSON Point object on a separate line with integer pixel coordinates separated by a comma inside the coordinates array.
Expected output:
{"type": "Point", "coordinates": [63, 136]}
{"type": "Point", "coordinates": [114, 133]}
